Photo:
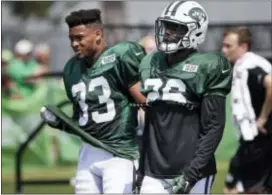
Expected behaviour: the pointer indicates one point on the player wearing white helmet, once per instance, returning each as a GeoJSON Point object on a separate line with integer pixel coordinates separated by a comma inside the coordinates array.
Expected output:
{"type": "Point", "coordinates": [189, 16]}
{"type": "Point", "coordinates": [185, 112]}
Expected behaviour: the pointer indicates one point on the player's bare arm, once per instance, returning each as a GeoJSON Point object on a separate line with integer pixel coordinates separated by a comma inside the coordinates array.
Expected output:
{"type": "Point", "coordinates": [267, 105]}
{"type": "Point", "coordinates": [131, 61]}
{"type": "Point", "coordinates": [136, 93]}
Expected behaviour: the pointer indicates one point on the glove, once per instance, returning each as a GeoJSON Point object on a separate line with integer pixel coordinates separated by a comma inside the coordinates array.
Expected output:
{"type": "Point", "coordinates": [181, 185]}
{"type": "Point", "coordinates": [49, 117]}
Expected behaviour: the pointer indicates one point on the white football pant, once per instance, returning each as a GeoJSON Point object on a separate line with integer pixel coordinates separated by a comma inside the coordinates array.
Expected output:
{"type": "Point", "coordinates": [99, 171]}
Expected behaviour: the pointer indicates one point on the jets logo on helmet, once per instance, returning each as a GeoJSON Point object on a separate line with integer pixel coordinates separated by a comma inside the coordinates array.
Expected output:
{"type": "Point", "coordinates": [197, 14]}
{"type": "Point", "coordinates": [182, 25]}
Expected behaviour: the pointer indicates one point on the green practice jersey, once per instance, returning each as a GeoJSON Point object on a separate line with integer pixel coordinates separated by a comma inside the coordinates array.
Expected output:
{"type": "Point", "coordinates": [173, 131]}
{"type": "Point", "coordinates": [100, 95]}
{"type": "Point", "coordinates": [201, 74]}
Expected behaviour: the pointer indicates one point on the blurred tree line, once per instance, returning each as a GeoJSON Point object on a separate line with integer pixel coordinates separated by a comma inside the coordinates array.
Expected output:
{"type": "Point", "coordinates": [25, 9]}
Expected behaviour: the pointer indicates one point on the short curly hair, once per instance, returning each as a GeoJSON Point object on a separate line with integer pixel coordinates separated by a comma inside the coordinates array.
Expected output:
{"type": "Point", "coordinates": [84, 17]}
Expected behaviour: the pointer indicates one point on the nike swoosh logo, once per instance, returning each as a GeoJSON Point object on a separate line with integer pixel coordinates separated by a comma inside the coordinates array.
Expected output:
{"type": "Point", "coordinates": [224, 71]}
{"type": "Point", "coordinates": [137, 54]}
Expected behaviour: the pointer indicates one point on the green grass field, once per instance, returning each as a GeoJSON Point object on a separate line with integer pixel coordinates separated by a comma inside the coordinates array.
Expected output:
{"type": "Point", "coordinates": [8, 181]}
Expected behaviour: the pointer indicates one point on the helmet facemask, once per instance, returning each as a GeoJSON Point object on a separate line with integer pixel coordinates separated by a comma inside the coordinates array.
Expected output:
{"type": "Point", "coordinates": [172, 35]}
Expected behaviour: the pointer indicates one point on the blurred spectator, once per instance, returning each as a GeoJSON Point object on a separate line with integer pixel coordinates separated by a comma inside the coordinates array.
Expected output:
{"type": "Point", "coordinates": [22, 67]}
{"type": "Point", "coordinates": [41, 55]}
{"type": "Point", "coordinates": [148, 43]}
{"type": "Point", "coordinates": [6, 82]}
{"type": "Point", "coordinates": [6, 57]}
{"type": "Point", "coordinates": [251, 101]}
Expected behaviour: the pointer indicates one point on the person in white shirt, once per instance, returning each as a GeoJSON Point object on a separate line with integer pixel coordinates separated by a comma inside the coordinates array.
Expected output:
{"type": "Point", "coordinates": [251, 101]}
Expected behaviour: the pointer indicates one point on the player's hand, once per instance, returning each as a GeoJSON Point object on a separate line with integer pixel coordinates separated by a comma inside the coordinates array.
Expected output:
{"type": "Point", "coordinates": [181, 185]}
{"type": "Point", "coordinates": [49, 117]}
{"type": "Point", "coordinates": [260, 124]}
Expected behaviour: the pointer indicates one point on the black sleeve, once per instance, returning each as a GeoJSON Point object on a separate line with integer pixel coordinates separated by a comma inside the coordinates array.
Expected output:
{"type": "Point", "coordinates": [257, 74]}
{"type": "Point", "coordinates": [212, 124]}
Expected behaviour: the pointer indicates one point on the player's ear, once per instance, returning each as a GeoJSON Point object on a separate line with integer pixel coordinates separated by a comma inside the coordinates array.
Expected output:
{"type": "Point", "coordinates": [99, 35]}
{"type": "Point", "coordinates": [244, 46]}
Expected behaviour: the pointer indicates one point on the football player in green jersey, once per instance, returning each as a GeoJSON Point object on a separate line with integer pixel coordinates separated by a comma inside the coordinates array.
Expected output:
{"type": "Point", "coordinates": [101, 82]}
{"type": "Point", "coordinates": [186, 94]}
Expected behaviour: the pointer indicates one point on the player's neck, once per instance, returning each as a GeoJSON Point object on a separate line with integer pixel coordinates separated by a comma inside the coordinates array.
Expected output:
{"type": "Point", "coordinates": [99, 50]}
{"type": "Point", "coordinates": [179, 56]}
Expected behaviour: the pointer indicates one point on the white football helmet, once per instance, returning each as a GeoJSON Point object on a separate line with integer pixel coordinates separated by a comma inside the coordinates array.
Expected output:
{"type": "Point", "coordinates": [182, 25]}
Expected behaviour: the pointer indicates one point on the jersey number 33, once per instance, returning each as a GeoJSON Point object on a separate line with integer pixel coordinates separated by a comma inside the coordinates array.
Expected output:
{"type": "Point", "coordinates": [81, 90]}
